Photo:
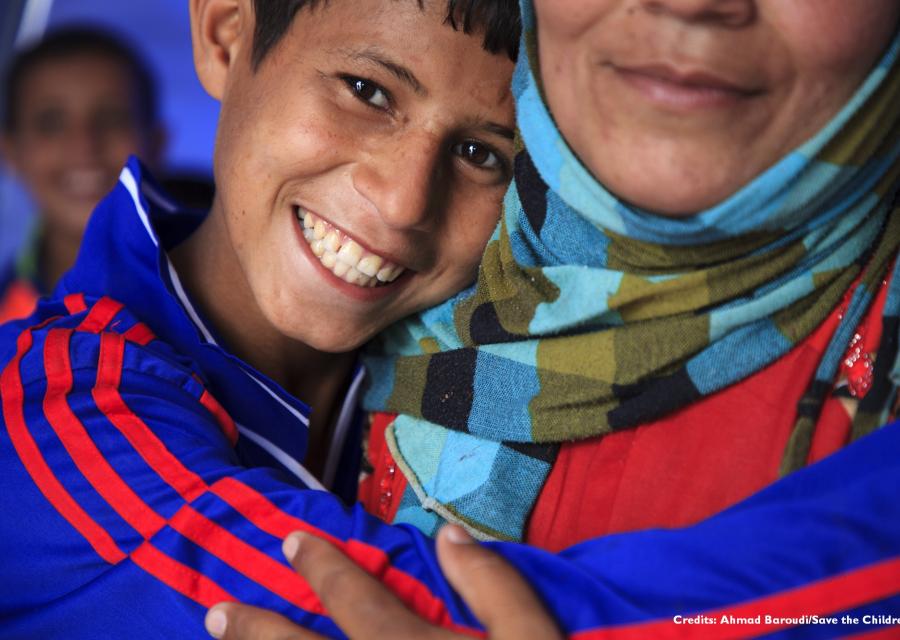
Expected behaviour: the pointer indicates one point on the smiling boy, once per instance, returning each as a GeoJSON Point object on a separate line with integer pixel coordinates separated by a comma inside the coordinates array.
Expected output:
{"type": "Point", "coordinates": [356, 193]}
{"type": "Point", "coordinates": [156, 407]}
{"type": "Point", "coordinates": [77, 104]}
{"type": "Point", "coordinates": [211, 529]}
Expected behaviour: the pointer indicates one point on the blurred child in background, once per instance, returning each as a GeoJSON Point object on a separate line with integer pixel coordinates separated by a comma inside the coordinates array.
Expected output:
{"type": "Point", "coordinates": [77, 104]}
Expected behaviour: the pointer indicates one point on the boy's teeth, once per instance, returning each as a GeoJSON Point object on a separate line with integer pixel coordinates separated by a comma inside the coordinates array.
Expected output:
{"type": "Point", "coordinates": [352, 275]}
{"type": "Point", "coordinates": [341, 268]}
{"type": "Point", "coordinates": [351, 253]}
{"type": "Point", "coordinates": [385, 273]}
{"type": "Point", "coordinates": [343, 256]}
{"type": "Point", "coordinates": [332, 242]}
{"type": "Point", "coordinates": [370, 265]}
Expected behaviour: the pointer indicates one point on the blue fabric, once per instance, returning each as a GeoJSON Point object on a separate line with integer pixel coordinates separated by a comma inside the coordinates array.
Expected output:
{"type": "Point", "coordinates": [834, 517]}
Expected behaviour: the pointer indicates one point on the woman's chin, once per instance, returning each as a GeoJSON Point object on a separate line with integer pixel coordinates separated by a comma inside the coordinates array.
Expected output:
{"type": "Point", "coordinates": [680, 189]}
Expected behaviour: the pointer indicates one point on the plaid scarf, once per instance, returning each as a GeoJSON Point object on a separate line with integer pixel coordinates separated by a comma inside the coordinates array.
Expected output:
{"type": "Point", "coordinates": [591, 316]}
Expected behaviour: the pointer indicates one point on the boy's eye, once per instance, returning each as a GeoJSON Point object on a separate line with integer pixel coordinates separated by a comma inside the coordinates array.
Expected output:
{"type": "Point", "coordinates": [368, 92]}
{"type": "Point", "coordinates": [478, 154]}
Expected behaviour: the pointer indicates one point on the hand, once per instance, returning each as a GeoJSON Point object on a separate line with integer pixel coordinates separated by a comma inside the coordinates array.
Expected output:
{"type": "Point", "coordinates": [363, 608]}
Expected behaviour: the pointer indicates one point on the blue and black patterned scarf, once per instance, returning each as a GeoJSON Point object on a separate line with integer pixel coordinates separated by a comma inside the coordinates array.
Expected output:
{"type": "Point", "coordinates": [591, 316]}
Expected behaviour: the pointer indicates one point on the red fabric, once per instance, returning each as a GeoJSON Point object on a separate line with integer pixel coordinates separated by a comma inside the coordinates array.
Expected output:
{"type": "Point", "coordinates": [12, 395]}
{"type": "Point", "coordinates": [687, 466]}
{"type": "Point", "coordinates": [380, 492]}
{"type": "Point", "coordinates": [185, 580]}
{"type": "Point", "coordinates": [18, 301]}
{"type": "Point", "coordinates": [675, 471]}
{"type": "Point", "coordinates": [837, 593]}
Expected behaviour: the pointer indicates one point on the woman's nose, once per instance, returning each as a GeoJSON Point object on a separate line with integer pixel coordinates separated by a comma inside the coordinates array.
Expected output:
{"type": "Point", "coordinates": [726, 13]}
{"type": "Point", "coordinates": [404, 178]}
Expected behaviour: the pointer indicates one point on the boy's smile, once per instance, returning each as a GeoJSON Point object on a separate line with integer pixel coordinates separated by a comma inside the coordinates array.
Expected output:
{"type": "Point", "coordinates": [360, 169]}
{"type": "Point", "coordinates": [344, 256]}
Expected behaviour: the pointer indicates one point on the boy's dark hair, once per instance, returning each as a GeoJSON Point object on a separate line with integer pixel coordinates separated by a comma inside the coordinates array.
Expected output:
{"type": "Point", "coordinates": [499, 20]}
{"type": "Point", "coordinates": [74, 41]}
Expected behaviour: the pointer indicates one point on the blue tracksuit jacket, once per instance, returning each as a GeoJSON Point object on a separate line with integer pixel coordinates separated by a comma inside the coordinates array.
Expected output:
{"type": "Point", "coordinates": [146, 474]}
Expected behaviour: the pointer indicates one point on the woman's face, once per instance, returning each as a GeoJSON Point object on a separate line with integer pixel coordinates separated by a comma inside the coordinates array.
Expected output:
{"type": "Point", "coordinates": [675, 104]}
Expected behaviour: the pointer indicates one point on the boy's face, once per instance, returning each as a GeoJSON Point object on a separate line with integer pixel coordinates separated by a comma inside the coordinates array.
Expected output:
{"type": "Point", "coordinates": [360, 169]}
{"type": "Point", "coordinates": [77, 123]}
{"type": "Point", "coordinates": [676, 104]}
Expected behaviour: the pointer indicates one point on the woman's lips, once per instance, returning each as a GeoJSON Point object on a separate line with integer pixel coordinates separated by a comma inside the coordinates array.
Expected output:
{"type": "Point", "coordinates": [683, 91]}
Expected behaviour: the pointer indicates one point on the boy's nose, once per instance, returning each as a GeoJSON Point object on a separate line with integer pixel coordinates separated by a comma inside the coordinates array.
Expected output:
{"type": "Point", "coordinates": [403, 179]}
{"type": "Point", "coordinates": [726, 13]}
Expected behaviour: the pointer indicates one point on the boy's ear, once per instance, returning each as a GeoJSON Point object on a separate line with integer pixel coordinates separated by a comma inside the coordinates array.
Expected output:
{"type": "Point", "coordinates": [219, 29]}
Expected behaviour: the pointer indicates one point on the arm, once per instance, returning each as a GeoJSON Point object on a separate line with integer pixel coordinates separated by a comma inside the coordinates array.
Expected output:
{"type": "Point", "coordinates": [682, 573]}
{"type": "Point", "coordinates": [185, 527]}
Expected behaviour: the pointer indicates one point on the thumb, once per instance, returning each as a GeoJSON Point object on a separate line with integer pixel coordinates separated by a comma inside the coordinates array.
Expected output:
{"type": "Point", "coordinates": [234, 621]}
{"type": "Point", "coordinates": [497, 594]}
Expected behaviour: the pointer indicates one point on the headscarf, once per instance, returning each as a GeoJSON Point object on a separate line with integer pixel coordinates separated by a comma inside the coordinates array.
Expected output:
{"type": "Point", "coordinates": [590, 315]}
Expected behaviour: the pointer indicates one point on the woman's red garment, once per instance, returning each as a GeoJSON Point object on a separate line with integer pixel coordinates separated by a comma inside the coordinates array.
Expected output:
{"type": "Point", "coordinates": [18, 300]}
{"type": "Point", "coordinates": [675, 471]}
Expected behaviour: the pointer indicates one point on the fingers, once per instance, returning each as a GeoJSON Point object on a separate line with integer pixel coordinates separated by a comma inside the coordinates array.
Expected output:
{"type": "Point", "coordinates": [501, 599]}
{"type": "Point", "coordinates": [360, 605]}
{"type": "Point", "coordinates": [233, 621]}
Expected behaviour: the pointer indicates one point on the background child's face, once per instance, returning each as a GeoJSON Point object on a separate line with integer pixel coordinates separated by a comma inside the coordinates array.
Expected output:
{"type": "Point", "coordinates": [676, 104]}
{"type": "Point", "coordinates": [378, 129]}
{"type": "Point", "coordinates": [77, 124]}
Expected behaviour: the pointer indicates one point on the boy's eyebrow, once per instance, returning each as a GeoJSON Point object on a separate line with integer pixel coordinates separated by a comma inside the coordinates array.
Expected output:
{"type": "Point", "coordinates": [398, 70]}
{"type": "Point", "coordinates": [500, 130]}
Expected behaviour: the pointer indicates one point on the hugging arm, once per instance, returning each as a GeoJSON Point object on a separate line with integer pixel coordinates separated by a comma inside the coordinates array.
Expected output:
{"type": "Point", "coordinates": [820, 543]}
{"type": "Point", "coordinates": [126, 511]}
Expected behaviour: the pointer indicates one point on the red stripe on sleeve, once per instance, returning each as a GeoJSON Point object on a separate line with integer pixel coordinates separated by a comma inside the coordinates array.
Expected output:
{"type": "Point", "coordinates": [259, 510]}
{"type": "Point", "coordinates": [252, 505]}
{"type": "Point", "coordinates": [245, 558]}
{"type": "Point", "coordinates": [78, 443]}
{"type": "Point", "coordinates": [108, 399]}
{"type": "Point", "coordinates": [13, 396]}
{"type": "Point", "coordinates": [180, 577]}
{"type": "Point", "coordinates": [100, 315]}
{"type": "Point", "coordinates": [140, 334]}
{"type": "Point", "coordinates": [833, 594]}
{"type": "Point", "coordinates": [75, 303]}
{"type": "Point", "coordinates": [884, 633]}
{"type": "Point", "coordinates": [266, 516]}
{"type": "Point", "coordinates": [218, 411]}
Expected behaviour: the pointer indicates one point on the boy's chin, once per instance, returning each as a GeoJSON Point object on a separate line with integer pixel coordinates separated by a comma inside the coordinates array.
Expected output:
{"type": "Point", "coordinates": [335, 342]}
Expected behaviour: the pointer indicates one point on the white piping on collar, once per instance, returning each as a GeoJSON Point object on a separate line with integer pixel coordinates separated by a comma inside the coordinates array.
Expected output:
{"type": "Point", "coordinates": [286, 461]}
{"type": "Point", "coordinates": [186, 303]}
{"type": "Point", "coordinates": [207, 336]}
{"type": "Point", "coordinates": [345, 421]}
{"type": "Point", "coordinates": [158, 199]}
{"type": "Point", "coordinates": [130, 183]}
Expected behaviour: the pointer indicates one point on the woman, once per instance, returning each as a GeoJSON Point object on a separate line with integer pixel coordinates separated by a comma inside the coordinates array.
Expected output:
{"type": "Point", "coordinates": [650, 357]}
{"type": "Point", "coordinates": [686, 297]}
{"type": "Point", "coordinates": [690, 355]}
